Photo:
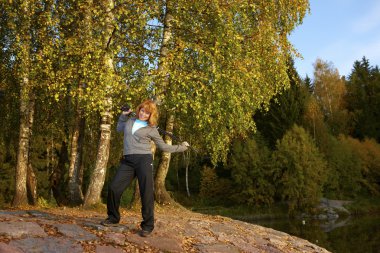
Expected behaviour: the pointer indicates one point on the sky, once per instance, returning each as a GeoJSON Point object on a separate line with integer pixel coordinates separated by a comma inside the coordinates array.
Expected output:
{"type": "Point", "coordinates": [340, 32]}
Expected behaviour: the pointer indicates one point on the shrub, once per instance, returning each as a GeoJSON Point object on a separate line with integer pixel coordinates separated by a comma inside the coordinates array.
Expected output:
{"type": "Point", "coordinates": [212, 187]}
{"type": "Point", "coordinates": [343, 175]}
{"type": "Point", "coordinates": [300, 170]}
{"type": "Point", "coordinates": [368, 151]}
{"type": "Point", "coordinates": [250, 172]}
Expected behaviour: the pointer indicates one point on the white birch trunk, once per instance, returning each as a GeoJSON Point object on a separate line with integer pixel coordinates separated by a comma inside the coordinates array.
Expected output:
{"type": "Point", "coordinates": [93, 194]}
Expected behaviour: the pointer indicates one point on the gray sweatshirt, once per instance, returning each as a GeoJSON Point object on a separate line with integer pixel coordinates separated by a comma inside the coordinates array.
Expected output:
{"type": "Point", "coordinates": [139, 142]}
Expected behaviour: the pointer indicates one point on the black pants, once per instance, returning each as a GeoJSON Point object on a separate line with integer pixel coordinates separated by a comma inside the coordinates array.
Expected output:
{"type": "Point", "coordinates": [140, 165]}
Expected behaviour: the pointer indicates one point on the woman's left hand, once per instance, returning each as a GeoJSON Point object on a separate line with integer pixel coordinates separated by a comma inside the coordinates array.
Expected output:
{"type": "Point", "coordinates": [185, 143]}
{"type": "Point", "coordinates": [127, 112]}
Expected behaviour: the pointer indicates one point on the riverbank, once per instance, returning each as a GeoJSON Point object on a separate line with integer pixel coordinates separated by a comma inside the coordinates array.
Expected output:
{"type": "Point", "coordinates": [341, 226]}
{"type": "Point", "coordinates": [330, 207]}
{"type": "Point", "coordinates": [177, 230]}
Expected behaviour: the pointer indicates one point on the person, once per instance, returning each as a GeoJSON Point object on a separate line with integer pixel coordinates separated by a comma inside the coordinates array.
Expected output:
{"type": "Point", "coordinates": [137, 162]}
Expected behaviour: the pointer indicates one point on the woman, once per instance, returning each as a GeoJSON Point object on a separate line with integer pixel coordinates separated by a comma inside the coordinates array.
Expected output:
{"type": "Point", "coordinates": [138, 161]}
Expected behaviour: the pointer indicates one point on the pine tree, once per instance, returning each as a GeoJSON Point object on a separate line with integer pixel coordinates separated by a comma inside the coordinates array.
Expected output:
{"type": "Point", "coordinates": [285, 110]}
{"type": "Point", "coordinates": [363, 101]}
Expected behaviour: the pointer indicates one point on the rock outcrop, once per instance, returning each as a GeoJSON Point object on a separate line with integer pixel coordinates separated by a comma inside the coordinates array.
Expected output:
{"type": "Point", "coordinates": [74, 230]}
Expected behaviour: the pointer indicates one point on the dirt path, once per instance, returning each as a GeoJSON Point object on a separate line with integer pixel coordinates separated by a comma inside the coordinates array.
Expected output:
{"type": "Point", "coordinates": [176, 230]}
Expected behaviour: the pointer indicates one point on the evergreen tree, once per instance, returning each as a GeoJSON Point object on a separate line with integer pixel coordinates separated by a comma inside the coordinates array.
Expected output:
{"type": "Point", "coordinates": [9, 103]}
{"type": "Point", "coordinates": [363, 99]}
{"type": "Point", "coordinates": [285, 109]}
{"type": "Point", "coordinates": [309, 84]}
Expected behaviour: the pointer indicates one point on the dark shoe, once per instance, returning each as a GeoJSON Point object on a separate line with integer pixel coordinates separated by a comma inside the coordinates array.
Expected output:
{"type": "Point", "coordinates": [109, 223]}
{"type": "Point", "coordinates": [144, 233]}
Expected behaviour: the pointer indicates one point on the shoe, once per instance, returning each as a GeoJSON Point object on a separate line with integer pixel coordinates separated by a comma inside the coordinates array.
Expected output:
{"type": "Point", "coordinates": [145, 233]}
{"type": "Point", "coordinates": [108, 223]}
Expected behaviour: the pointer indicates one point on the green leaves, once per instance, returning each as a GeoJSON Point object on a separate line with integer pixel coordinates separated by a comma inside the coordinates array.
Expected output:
{"type": "Point", "coordinates": [363, 98]}
{"type": "Point", "coordinates": [237, 62]}
{"type": "Point", "coordinates": [300, 169]}
{"type": "Point", "coordinates": [221, 61]}
{"type": "Point", "coordinates": [251, 174]}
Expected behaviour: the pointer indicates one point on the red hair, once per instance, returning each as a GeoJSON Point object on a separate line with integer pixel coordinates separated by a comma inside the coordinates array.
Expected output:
{"type": "Point", "coordinates": [150, 107]}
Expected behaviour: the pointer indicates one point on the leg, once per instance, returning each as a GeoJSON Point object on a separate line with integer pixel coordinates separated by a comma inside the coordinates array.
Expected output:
{"type": "Point", "coordinates": [123, 178]}
{"type": "Point", "coordinates": [144, 172]}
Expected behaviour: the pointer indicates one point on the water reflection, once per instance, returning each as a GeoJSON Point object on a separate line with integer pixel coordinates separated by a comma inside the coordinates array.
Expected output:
{"type": "Point", "coordinates": [330, 225]}
{"type": "Point", "coordinates": [349, 235]}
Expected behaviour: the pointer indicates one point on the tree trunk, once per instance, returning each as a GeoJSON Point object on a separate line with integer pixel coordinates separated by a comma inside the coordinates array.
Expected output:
{"type": "Point", "coordinates": [162, 65]}
{"type": "Point", "coordinates": [136, 199]}
{"type": "Point", "coordinates": [20, 197]}
{"type": "Point", "coordinates": [99, 174]}
{"type": "Point", "coordinates": [75, 181]}
{"type": "Point", "coordinates": [26, 180]}
{"type": "Point", "coordinates": [187, 175]}
{"type": "Point", "coordinates": [93, 194]}
{"type": "Point", "coordinates": [56, 178]}
{"type": "Point", "coordinates": [76, 169]}
{"type": "Point", "coordinates": [31, 185]}
{"type": "Point", "coordinates": [161, 195]}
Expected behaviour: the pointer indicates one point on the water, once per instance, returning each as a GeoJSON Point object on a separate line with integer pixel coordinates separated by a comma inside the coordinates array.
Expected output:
{"type": "Point", "coordinates": [349, 235]}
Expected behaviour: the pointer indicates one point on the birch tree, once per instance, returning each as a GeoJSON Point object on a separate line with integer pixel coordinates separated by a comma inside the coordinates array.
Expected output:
{"type": "Point", "coordinates": [121, 30]}
{"type": "Point", "coordinates": [98, 175]}
{"type": "Point", "coordinates": [223, 61]}
{"type": "Point", "coordinates": [330, 91]}
{"type": "Point", "coordinates": [29, 23]}
{"type": "Point", "coordinates": [84, 37]}
{"type": "Point", "coordinates": [23, 43]}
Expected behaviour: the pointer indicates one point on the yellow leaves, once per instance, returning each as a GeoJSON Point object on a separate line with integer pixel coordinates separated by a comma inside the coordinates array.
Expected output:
{"type": "Point", "coordinates": [56, 97]}
{"type": "Point", "coordinates": [221, 56]}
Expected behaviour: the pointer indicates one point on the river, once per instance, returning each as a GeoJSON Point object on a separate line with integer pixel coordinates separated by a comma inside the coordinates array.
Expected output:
{"type": "Point", "coordinates": [349, 235]}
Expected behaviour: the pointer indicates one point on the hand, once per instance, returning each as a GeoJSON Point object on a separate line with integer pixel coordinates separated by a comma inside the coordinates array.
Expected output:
{"type": "Point", "coordinates": [185, 143]}
{"type": "Point", "coordinates": [127, 112]}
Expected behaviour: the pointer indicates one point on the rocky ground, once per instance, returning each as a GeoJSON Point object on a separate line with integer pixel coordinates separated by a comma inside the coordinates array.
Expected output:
{"type": "Point", "coordinates": [69, 230]}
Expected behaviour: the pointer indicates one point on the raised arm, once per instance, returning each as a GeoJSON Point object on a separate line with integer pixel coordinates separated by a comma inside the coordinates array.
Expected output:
{"type": "Point", "coordinates": [121, 122]}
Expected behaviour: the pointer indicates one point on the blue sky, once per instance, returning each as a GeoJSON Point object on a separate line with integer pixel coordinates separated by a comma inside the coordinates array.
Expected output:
{"type": "Point", "coordinates": [340, 32]}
